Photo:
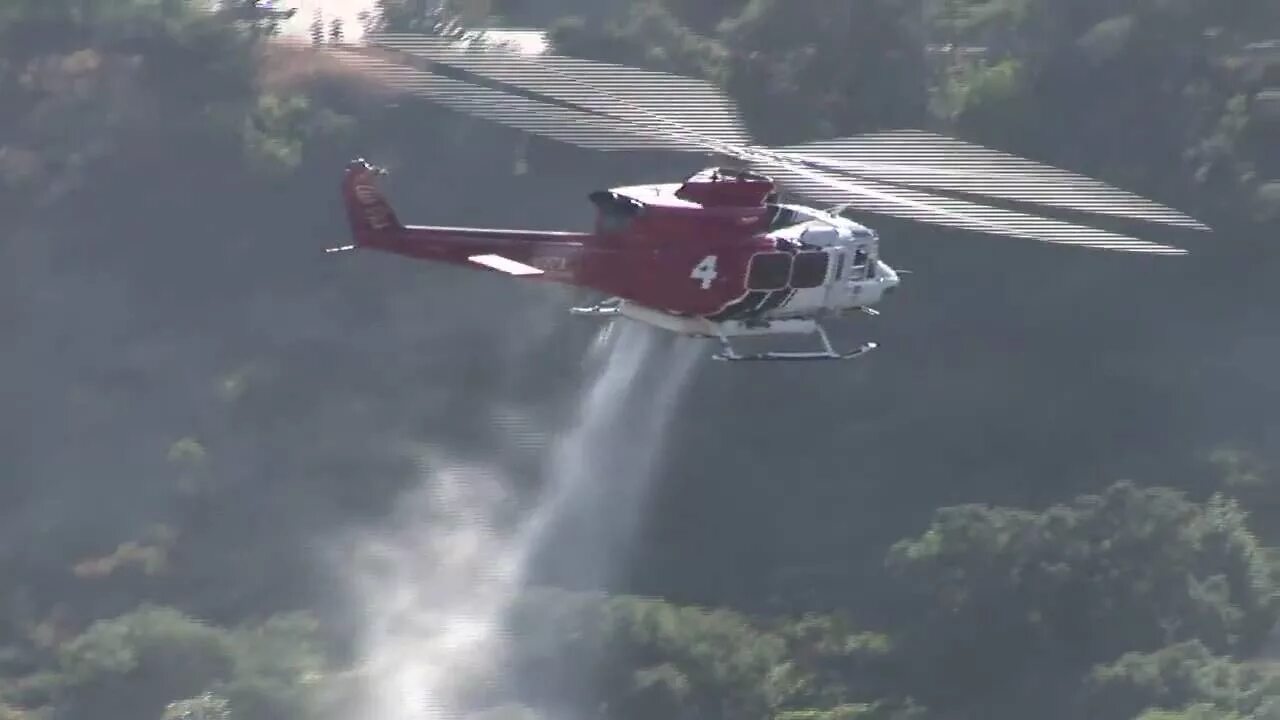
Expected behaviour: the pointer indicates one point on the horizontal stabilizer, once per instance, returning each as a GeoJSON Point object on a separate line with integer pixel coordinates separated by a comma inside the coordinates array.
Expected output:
{"type": "Point", "coordinates": [506, 265]}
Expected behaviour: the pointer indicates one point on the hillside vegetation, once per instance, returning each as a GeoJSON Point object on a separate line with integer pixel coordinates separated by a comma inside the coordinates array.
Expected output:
{"type": "Point", "coordinates": [1051, 495]}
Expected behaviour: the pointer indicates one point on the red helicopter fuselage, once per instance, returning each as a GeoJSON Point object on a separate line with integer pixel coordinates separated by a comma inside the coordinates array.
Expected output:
{"type": "Point", "coordinates": [711, 255]}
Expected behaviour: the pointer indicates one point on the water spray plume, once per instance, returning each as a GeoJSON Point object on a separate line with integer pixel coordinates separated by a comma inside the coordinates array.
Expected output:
{"type": "Point", "coordinates": [433, 585]}
{"type": "Point", "coordinates": [601, 468]}
{"type": "Point", "coordinates": [436, 582]}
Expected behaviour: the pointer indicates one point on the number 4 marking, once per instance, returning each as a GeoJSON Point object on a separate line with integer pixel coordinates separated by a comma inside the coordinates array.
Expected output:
{"type": "Point", "coordinates": [705, 271]}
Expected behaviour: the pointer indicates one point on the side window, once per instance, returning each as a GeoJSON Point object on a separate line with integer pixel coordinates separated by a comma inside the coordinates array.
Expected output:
{"type": "Point", "coordinates": [859, 268]}
{"type": "Point", "coordinates": [809, 269]}
{"type": "Point", "coordinates": [769, 271]}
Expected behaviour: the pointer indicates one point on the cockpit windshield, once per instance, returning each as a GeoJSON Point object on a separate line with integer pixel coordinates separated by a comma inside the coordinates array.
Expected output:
{"type": "Point", "coordinates": [784, 217]}
{"type": "Point", "coordinates": [614, 212]}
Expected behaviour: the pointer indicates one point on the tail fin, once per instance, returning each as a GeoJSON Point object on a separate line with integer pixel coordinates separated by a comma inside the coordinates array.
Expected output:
{"type": "Point", "coordinates": [373, 222]}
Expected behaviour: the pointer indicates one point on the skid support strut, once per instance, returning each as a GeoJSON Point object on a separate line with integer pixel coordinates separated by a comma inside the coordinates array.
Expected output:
{"type": "Point", "coordinates": [828, 352]}
{"type": "Point", "coordinates": [604, 308]}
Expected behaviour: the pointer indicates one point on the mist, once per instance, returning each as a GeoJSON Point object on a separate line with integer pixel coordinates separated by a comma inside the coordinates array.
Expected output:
{"type": "Point", "coordinates": [432, 585]}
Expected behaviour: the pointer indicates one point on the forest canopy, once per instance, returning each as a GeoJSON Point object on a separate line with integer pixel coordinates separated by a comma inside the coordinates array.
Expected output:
{"type": "Point", "coordinates": [193, 404]}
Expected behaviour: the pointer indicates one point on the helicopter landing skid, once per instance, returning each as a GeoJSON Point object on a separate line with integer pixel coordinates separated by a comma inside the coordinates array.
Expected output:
{"type": "Point", "coordinates": [828, 352]}
{"type": "Point", "coordinates": [606, 308]}
{"type": "Point", "coordinates": [722, 332]}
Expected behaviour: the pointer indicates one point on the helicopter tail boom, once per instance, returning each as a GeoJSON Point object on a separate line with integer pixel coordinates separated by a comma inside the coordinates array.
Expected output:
{"type": "Point", "coordinates": [522, 253]}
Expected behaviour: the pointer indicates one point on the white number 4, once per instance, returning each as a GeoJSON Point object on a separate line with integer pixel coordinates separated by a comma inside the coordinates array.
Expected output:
{"type": "Point", "coordinates": [705, 271]}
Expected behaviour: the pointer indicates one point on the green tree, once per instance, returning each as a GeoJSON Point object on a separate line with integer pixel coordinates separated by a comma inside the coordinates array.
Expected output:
{"type": "Point", "coordinates": [798, 70]}
{"type": "Point", "coordinates": [1192, 712]}
{"type": "Point", "coordinates": [81, 82]}
{"type": "Point", "coordinates": [646, 656]}
{"type": "Point", "coordinates": [1131, 569]}
{"type": "Point", "coordinates": [207, 706]}
{"type": "Point", "coordinates": [835, 663]}
{"type": "Point", "coordinates": [1071, 80]}
{"type": "Point", "coordinates": [139, 663]}
{"type": "Point", "coordinates": [1248, 476]}
{"type": "Point", "coordinates": [142, 662]}
{"type": "Point", "coordinates": [1185, 675]}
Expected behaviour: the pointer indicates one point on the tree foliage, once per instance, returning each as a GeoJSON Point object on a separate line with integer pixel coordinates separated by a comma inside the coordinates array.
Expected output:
{"type": "Point", "coordinates": [157, 660]}
{"type": "Point", "coordinates": [261, 432]}
{"type": "Point", "coordinates": [1185, 676]}
{"type": "Point", "coordinates": [1131, 569]}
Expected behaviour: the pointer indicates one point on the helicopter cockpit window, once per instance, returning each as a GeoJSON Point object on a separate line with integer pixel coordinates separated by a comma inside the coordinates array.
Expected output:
{"type": "Point", "coordinates": [809, 270]}
{"type": "Point", "coordinates": [769, 271]}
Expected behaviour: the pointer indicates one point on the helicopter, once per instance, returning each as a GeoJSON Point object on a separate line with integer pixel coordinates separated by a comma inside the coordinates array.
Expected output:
{"type": "Point", "coordinates": [706, 257]}
{"type": "Point", "coordinates": [718, 254]}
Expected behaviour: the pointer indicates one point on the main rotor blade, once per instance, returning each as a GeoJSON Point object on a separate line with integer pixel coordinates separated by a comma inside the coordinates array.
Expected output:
{"type": "Point", "coordinates": [923, 159]}
{"type": "Point", "coordinates": [569, 125]}
{"type": "Point", "coordinates": [603, 106]}
{"type": "Point", "coordinates": [950, 212]}
{"type": "Point", "coordinates": [660, 102]}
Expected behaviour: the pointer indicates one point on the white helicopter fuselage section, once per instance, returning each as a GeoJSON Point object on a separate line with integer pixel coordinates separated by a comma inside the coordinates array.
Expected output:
{"type": "Point", "coordinates": [856, 276]}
